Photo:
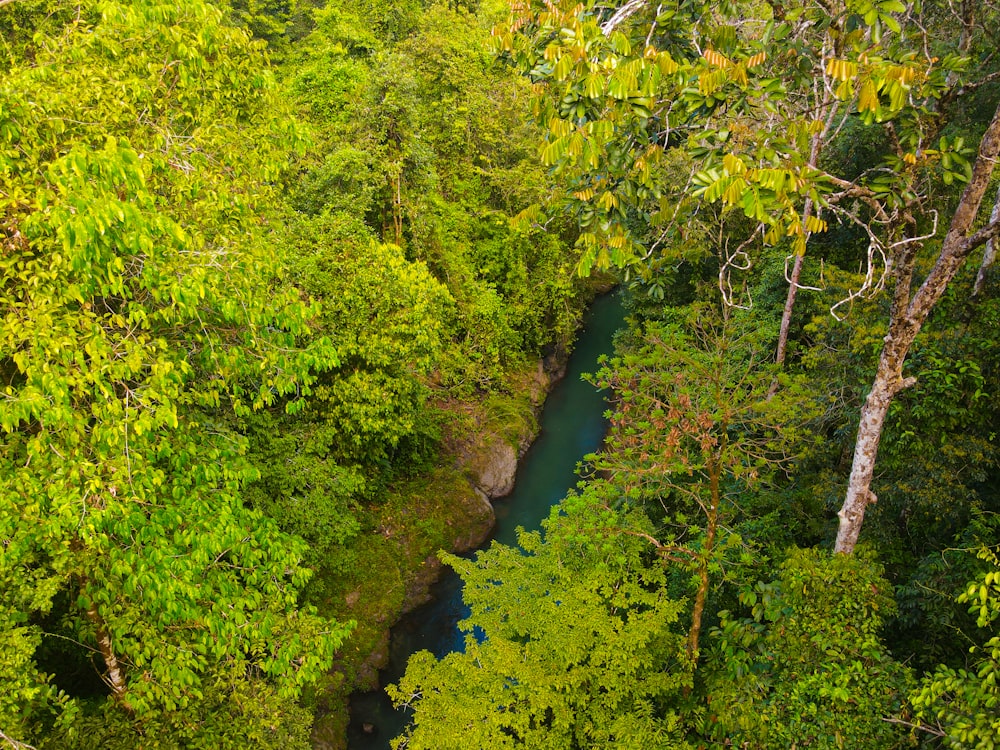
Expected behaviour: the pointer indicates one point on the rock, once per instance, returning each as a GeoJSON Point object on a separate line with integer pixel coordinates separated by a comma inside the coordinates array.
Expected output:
{"type": "Point", "coordinates": [554, 363]}
{"type": "Point", "coordinates": [539, 386]}
{"type": "Point", "coordinates": [494, 467]}
{"type": "Point", "coordinates": [367, 677]}
{"type": "Point", "coordinates": [419, 584]}
{"type": "Point", "coordinates": [482, 519]}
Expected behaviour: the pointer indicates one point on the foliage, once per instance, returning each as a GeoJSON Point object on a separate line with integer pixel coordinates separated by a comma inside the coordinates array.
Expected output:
{"type": "Point", "coordinates": [177, 411]}
{"type": "Point", "coordinates": [234, 710]}
{"type": "Point", "coordinates": [265, 19]}
{"type": "Point", "coordinates": [751, 92]}
{"type": "Point", "coordinates": [425, 139]}
{"type": "Point", "coordinates": [386, 318]}
{"type": "Point", "coordinates": [808, 667]}
{"type": "Point", "coordinates": [930, 625]}
{"type": "Point", "coordinates": [140, 307]}
{"type": "Point", "coordinates": [682, 390]}
{"type": "Point", "coordinates": [571, 643]}
{"type": "Point", "coordinates": [964, 704]}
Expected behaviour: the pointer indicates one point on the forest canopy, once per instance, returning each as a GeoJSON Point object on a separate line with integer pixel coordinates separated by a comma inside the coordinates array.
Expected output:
{"type": "Point", "coordinates": [271, 271]}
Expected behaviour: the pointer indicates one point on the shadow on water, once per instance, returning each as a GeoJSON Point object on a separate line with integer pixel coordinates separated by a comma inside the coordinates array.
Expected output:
{"type": "Point", "coordinates": [572, 425]}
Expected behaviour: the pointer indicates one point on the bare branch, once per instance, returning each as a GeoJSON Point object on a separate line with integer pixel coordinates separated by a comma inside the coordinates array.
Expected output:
{"type": "Point", "coordinates": [922, 238]}
{"type": "Point", "coordinates": [625, 12]}
{"type": "Point", "coordinates": [869, 286]}
{"type": "Point", "coordinates": [16, 745]}
{"type": "Point", "coordinates": [936, 731]}
{"type": "Point", "coordinates": [739, 260]}
{"type": "Point", "coordinates": [984, 235]}
{"type": "Point", "coordinates": [788, 278]}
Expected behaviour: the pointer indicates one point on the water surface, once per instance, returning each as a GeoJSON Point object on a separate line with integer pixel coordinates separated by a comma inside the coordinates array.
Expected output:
{"type": "Point", "coordinates": [572, 425]}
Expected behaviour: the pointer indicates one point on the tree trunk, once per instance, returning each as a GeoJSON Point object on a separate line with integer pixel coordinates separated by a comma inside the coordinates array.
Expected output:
{"type": "Point", "coordinates": [711, 528]}
{"type": "Point", "coordinates": [990, 253]}
{"type": "Point", "coordinates": [827, 110]}
{"type": "Point", "coordinates": [888, 382]}
{"type": "Point", "coordinates": [906, 319]}
{"type": "Point", "coordinates": [115, 677]}
{"type": "Point", "coordinates": [786, 315]}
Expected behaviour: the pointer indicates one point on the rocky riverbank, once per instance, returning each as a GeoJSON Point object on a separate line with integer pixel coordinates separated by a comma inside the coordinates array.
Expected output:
{"type": "Point", "coordinates": [396, 563]}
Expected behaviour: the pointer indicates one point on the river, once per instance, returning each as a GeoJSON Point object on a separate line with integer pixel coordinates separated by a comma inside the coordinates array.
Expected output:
{"type": "Point", "coordinates": [572, 425]}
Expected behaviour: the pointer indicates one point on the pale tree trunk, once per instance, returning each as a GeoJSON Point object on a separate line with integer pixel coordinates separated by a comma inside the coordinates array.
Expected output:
{"type": "Point", "coordinates": [786, 315]}
{"type": "Point", "coordinates": [888, 382]}
{"type": "Point", "coordinates": [990, 253]}
{"type": "Point", "coordinates": [115, 677]}
{"type": "Point", "coordinates": [906, 318]}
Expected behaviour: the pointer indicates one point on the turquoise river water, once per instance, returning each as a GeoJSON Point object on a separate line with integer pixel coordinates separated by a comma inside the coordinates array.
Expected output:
{"type": "Point", "coordinates": [572, 425]}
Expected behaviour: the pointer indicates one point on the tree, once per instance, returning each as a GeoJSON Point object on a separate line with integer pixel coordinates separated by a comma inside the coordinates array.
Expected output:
{"type": "Point", "coordinates": [139, 310]}
{"type": "Point", "coordinates": [572, 642]}
{"type": "Point", "coordinates": [693, 435]}
{"type": "Point", "coordinates": [964, 704]}
{"type": "Point", "coordinates": [621, 81]}
{"type": "Point", "coordinates": [426, 140]}
{"type": "Point", "coordinates": [909, 311]}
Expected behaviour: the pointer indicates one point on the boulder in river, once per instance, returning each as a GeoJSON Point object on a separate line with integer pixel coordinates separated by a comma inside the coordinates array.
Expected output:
{"type": "Point", "coordinates": [494, 466]}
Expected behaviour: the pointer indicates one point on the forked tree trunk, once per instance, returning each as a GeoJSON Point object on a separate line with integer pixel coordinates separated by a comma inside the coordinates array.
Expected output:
{"type": "Point", "coordinates": [906, 319]}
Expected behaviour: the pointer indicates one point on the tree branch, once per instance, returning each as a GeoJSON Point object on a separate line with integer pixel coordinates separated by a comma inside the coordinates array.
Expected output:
{"type": "Point", "coordinates": [621, 15]}
{"type": "Point", "coordinates": [989, 232]}
{"type": "Point", "coordinates": [6, 738]}
{"type": "Point", "coordinates": [922, 727]}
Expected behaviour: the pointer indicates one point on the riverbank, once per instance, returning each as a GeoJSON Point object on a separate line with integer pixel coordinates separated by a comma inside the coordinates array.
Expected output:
{"type": "Point", "coordinates": [394, 562]}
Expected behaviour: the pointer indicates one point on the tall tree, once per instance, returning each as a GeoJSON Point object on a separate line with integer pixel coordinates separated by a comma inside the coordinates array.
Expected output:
{"type": "Point", "coordinates": [907, 315]}
{"type": "Point", "coordinates": [139, 308]}
{"type": "Point", "coordinates": [751, 102]}
{"type": "Point", "coordinates": [692, 434]}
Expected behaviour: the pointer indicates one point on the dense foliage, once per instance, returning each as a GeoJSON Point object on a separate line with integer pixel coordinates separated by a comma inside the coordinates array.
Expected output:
{"type": "Point", "coordinates": [230, 288]}
{"type": "Point", "coordinates": [703, 148]}
{"type": "Point", "coordinates": [140, 306]}
{"type": "Point", "coordinates": [265, 265]}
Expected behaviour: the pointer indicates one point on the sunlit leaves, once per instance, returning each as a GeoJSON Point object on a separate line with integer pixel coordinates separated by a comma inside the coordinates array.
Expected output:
{"type": "Point", "coordinates": [787, 90]}
{"type": "Point", "coordinates": [139, 301]}
{"type": "Point", "coordinates": [581, 646]}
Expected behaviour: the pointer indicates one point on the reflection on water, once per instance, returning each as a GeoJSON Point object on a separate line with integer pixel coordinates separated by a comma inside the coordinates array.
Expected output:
{"type": "Point", "coordinates": [572, 425]}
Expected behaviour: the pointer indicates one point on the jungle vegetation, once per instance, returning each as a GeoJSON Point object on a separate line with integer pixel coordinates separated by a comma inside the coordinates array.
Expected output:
{"type": "Point", "coordinates": [261, 261]}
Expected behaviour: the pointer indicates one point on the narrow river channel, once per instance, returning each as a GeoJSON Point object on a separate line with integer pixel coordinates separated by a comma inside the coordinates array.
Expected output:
{"type": "Point", "coordinates": [572, 425]}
